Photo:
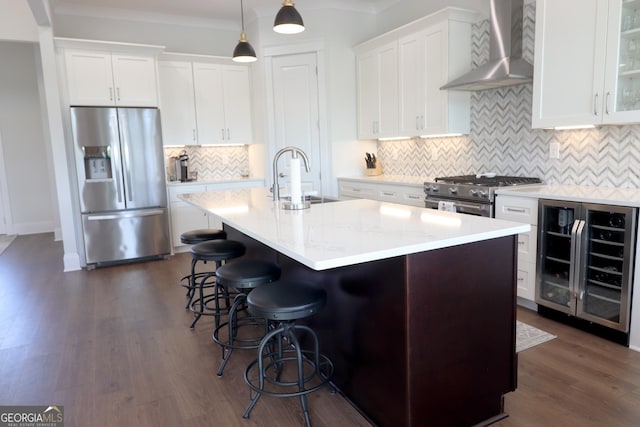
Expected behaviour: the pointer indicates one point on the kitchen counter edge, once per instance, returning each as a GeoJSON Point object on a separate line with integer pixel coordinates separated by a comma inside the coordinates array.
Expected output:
{"type": "Point", "coordinates": [577, 193]}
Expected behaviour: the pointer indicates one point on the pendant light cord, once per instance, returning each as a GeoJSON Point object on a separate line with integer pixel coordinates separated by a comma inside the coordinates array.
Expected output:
{"type": "Point", "coordinates": [242, 15]}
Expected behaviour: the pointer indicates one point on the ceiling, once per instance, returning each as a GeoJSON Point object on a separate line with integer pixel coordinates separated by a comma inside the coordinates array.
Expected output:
{"type": "Point", "coordinates": [220, 11]}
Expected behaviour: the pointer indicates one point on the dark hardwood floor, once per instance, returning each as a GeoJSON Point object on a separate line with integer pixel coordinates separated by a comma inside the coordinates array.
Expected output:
{"type": "Point", "coordinates": [113, 346]}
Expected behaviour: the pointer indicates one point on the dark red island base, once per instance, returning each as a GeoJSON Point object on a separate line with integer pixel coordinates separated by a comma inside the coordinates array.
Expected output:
{"type": "Point", "coordinates": [426, 339]}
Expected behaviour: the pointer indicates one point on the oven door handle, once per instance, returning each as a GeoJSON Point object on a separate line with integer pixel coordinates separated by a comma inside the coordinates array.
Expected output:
{"type": "Point", "coordinates": [481, 209]}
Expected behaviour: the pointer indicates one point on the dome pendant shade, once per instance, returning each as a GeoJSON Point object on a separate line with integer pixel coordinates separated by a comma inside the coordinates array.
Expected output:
{"type": "Point", "coordinates": [244, 51]}
{"type": "Point", "coordinates": [288, 20]}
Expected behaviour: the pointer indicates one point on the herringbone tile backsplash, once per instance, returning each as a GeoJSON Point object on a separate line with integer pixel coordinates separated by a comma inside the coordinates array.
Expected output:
{"type": "Point", "coordinates": [502, 141]}
{"type": "Point", "coordinates": [212, 163]}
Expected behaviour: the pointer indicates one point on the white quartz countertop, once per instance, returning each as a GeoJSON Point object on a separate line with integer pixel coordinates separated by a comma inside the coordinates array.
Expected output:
{"type": "Point", "coordinates": [348, 232]}
{"type": "Point", "coordinates": [577, 193]}
{"type": "Point", "coordinates": [216, 181]}
{"type": "Point", "coordinates": [391, 179]}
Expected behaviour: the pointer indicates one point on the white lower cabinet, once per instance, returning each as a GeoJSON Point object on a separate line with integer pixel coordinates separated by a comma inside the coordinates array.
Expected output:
{"type": "Point", "coordinates": [524, 210]}
{"type": "Point", "coordinates": [185, 217]}
{"type": "Point", "coordinates": [405, 194]}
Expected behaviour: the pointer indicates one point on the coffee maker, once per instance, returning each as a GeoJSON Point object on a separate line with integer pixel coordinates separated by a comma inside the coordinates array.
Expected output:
{"type": "Point", "coordinates": [182, 167]}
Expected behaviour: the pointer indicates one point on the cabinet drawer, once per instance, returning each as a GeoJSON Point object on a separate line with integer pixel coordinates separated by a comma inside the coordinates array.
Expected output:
{"type": "Point", "coordinates": [518, 209]}
{"type": "Point", "coordinates": [526, 280]}
{"type": "Point", "coordinates": [357, 191]}
{"type": "Point", "coordinates": [413, 198]}
{"type": "Point", "coordinates": [184, 189]}
{"type": "Point", "coordinates": [527, 245]}
{"type": "Point", "coordinates": [389, 195]}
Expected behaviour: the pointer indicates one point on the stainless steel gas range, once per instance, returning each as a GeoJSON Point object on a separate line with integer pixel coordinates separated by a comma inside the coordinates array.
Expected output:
{"type": "Point", "coordinates": [470, 194]}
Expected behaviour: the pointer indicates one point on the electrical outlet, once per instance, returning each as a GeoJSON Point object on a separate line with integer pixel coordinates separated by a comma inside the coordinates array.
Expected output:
{"type": "Point", "coordinates": [225, 159]}
{"type": "Point", "coordinates": [554, 150]}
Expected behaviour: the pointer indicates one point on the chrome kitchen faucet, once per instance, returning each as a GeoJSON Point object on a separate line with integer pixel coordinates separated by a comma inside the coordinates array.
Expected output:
{"type": "Point", "coordinates": [294, 153]}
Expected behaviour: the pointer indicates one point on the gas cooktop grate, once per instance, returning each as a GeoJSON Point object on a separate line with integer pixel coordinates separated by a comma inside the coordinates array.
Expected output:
{"type": "Point", "coordinates": [496, 181]}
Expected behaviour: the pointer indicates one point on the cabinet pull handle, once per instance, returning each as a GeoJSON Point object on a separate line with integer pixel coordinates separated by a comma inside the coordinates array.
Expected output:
{"type": "Point", "coordinates": [118, 93]}
{"type": "Point", "coordinates": [193, 131]}
{"type": "Point", "coordinates": [518, 210]}
{"type": "Point", "coordinates": [110, 94]}
{"type": "Point", "coordinates": [417, 122]}
{"type": "Point", "coordinates": [222, 131]}
{"type": "Point", "coordinates": [521, 242]}
{"type": "Point", "coordinates": [606, 103]}
{"type": "Point", "coordinates": [595, 105]}
{"type": "Point", "coordinates": [412, 196]}
{"type": "Point", "coordinates": [388, 194]}
{"type": "Point", "coordinates": [228, 135]}
{"type": "Point", "coordinates": [424, 123]}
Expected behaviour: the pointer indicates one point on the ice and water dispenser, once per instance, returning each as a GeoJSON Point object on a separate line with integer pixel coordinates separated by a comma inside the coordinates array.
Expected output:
{"type": "Point", "coordinates": [97, 162]}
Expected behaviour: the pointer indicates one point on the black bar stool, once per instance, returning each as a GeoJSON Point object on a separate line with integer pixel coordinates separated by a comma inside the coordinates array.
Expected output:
{"type": "Point", "coordinates": [193, 237]}
{"type": "Point", "coordinates": [218, 251]}
{"type": "Point", "coordinates": [242, 275]}
{"type": "Point", "coordinates": [282, 303]}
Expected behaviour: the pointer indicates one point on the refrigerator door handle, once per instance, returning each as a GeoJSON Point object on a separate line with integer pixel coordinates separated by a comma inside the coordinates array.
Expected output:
{"type": "Point", "coordinates": [577, 282]}
{"type": "Point", "coordinates": [134, 214]}
{"type": "Point", "coordinates": [126, 156]}
{"type": "Point", "coordinates": [115, 143]}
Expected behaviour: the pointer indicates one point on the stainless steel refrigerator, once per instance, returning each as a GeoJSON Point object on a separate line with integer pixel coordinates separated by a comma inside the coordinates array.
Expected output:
{"type": "Point", "coordinates": [121, 184]}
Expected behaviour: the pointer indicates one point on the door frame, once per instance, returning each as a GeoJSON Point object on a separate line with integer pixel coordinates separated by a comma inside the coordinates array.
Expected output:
{"type": "Point", "coordinates": [6, 227]}
{"type": "Point", "coordinates": [317, 47]}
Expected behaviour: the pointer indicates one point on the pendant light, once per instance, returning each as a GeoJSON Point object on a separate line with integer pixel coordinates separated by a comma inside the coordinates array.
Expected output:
{"type": "Point", "coordinates": [244, 51]}
{"type": "Point", "coordinates": [288, 20]}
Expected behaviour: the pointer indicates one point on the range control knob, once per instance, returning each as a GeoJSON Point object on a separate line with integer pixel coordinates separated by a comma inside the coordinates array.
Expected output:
{"type": "Point", "coordinates": [474, 193]}
{"type": "Point", "coordinates": [453, 190]}
{"type": "Point", "coordinates": [483, 193]}
{"type": "Point", "coordinates": [434, 188]}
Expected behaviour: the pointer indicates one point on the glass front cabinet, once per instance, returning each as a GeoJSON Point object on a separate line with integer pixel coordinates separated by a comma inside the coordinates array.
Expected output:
{"type": "Point", "coordinates": [622, 86]}
{"type": "Point", "coordinates": [585, 264]}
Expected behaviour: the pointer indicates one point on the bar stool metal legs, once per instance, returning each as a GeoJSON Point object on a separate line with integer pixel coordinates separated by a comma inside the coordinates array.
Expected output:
{"type": "Point", "coordinates": [289, 370]}
{"type": "Point", "coordinates": [243, 275]}
{"type": "Point", "coordinates": [218, 251]}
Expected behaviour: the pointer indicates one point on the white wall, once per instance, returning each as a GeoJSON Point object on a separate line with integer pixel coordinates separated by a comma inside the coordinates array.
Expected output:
{"type": "Point", "coordinates": [23, 143]}
{"type": "Point", "coordinates": [16, 21]}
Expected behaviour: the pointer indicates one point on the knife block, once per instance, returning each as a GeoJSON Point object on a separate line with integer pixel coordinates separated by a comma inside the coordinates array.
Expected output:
{"type": "Point", "coordinates": [373, 171]}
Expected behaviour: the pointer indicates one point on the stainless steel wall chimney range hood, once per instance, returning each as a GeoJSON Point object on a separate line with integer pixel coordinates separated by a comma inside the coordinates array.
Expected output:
{"type": "Point", "coordinates": [506, 67]}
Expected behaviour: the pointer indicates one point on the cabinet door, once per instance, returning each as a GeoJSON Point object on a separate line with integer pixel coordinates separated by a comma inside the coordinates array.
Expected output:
{"type": "Point", "coordinates": [388, 89]}
{"type": "Point", "coordinates": [135, 81]}
{"type": "Point", "coordinates": [209, 100]}
{"type": "Point", "coordinates": [622, 86]}
{"type": "Point", "coordinates": [368, 95]}
{"type": "Point", "coordinates": [237, 104]}
{"type": "Point", "coordinates": [177, 105]}
{"type": "Point", "coordinates": [185, 217]}
{"type": "Point", "coordinates": [569, 72]}
{"type": "Point", "coordinates": [436, 41]}
{"type": "Point", "coordinates": [90, 78]}
{"type": "Point", "coordinates": [411, 56]}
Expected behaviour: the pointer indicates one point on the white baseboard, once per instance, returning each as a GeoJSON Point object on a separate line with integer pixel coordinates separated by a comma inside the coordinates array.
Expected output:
{"type": "Point", "coordinates": [33, 227]}
{"type": "Point", "coordinates": [72, 262]}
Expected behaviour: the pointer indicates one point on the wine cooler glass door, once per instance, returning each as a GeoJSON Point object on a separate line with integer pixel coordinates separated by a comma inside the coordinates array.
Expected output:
{"type": "Point", "coordinates": [558, 223]}
{"type": "Point", "coordinates": [606, 267]}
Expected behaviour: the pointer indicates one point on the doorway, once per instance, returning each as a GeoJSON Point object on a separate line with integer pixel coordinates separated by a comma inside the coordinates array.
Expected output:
{"type": "Point", "coordinates": [295, 115]}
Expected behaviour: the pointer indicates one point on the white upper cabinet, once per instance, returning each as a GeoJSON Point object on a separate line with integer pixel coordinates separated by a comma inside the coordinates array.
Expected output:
{"type": "Point", "coordinates": [205, 103]}
{"type": "Point", "coordinates": [377, 75]}
{"type": "Point", "coordinates": [400, 74]}
{"type": "Point", "coordinates": [428, 60]}
{"type": "Point", "coordinates": [97, 78]}
{"type": "Point", "coordinates": [587, 74]}
{"type": "Point", "coordinates": [177, 103]}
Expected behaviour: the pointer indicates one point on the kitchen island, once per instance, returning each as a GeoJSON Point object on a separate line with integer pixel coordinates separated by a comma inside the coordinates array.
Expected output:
{"type": "Point", "coordinates": [420, 315]}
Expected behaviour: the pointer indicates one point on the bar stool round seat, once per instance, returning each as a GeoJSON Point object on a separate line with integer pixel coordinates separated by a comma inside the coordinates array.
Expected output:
{"type": "Point", "coordinates": [218, 251]}
{"type": "Point", "coordinates": [193, 237]}
{"type": "Point", "coordinates": [243, 275]}
{"type": "Point", "coordinates": [290, 370]}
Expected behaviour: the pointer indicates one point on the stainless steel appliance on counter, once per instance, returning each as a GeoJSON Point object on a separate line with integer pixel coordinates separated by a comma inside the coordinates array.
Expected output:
{"type": "Point", "coordinates": [585, 261]}
{"type": "Point", "coordinates": [470, 194]}
{"type": "Point", "coordinates": [121, 184]}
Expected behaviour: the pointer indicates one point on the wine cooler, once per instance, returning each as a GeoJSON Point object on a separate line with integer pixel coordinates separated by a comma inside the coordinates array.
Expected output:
{"type": "Point", "coordinates": [585, 261]}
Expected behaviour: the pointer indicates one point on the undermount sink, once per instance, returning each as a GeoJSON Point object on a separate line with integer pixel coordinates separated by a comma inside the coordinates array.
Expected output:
{"type": "Point", "coordinates": [317, 199]}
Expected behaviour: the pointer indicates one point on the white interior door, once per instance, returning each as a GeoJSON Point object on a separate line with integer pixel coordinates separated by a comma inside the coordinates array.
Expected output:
{"type": "Point", "coordinates": [296, 116]}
